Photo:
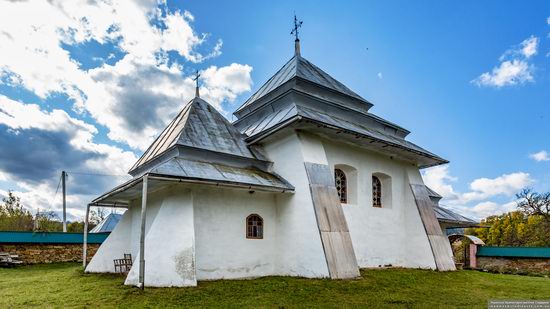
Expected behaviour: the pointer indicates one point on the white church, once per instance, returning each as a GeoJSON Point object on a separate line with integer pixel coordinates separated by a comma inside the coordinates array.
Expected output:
{"type": "Point", "coordinates": [306, 182]}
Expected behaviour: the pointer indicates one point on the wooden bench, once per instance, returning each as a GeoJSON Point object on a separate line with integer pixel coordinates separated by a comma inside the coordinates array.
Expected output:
{"type": "Point", "coordinates": [9, 260]}
{"type": "Point", "coordinates": [123, 265]}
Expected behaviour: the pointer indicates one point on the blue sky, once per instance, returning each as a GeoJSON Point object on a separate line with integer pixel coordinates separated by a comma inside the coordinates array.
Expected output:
{"type": "Point", "coordinates": [87, 86]}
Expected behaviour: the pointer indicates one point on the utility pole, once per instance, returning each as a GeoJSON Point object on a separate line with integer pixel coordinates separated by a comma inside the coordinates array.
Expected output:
{"type": "Point", "coordinates": [63, 175]}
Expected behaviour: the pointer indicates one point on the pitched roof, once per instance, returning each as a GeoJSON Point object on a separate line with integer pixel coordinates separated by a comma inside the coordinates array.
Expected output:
{"type": "Point", "coordinates": [201, 126]}
{"type": "Point", "coordinates": [203, 170]}
{"type": "Point", "coordinates": [447, 215]}
{"type": "Point", "coordinates": [298, 66]}
{"type": "Point", "coordinates": [432, 193]}
{"type": "Point", "coordinates": [286, 115]}
{"type": "Point", "coordinates": [108, 224]}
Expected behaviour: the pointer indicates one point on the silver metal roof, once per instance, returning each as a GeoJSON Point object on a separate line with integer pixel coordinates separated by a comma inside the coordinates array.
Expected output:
{"type": "Point", "coordinates": [432, 193]}
{"type": "Point", "coordinates": [299, 67]}
{"type": "Point", "coordinates": [198, 147]}
{"type": "Point", "coordinates": [108, 224]}
{"type": "Point", "coordinates": [198, 125]}
{"type": "Point", "coordinates": [201, 173]}
{"type": "Point", "coordinates": [209, 171]}
{"type": "Point", "coordinates": [447, 215]}
{"type": "Point", "coordinates": [287, 114]}
{"type": "Point", "coordinates": [475, 240]}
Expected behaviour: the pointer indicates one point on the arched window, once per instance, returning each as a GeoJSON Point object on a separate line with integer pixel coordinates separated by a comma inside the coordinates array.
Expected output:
{"type": "Point", "coordinates": [254, 227]}
{"type": "Point", "coordinates": [341, 185]}
{"type": "Point", "coordinates": [376, 192]}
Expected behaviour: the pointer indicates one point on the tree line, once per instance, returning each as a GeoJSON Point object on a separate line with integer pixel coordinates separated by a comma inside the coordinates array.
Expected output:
{"type": "Point", "coordinates": [528, 226]}
{"type": "Point", "coordinates": [15, 217]}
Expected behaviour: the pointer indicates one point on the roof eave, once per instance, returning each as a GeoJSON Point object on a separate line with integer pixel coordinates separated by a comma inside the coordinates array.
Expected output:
{"type": "Point", "coordinates": [262, 135]}
{"type": "Point", "coordinates": [190, 180]}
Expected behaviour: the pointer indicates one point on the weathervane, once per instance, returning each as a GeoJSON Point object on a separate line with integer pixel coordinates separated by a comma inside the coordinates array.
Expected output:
{"type": "Point", "coordinates": [297, 25]}
{"type": "Point", "coordinates": [196, 79]}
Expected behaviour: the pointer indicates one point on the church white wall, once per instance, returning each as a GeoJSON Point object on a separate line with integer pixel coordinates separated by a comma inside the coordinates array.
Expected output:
{"type": "Point", "coordinates": [154, 201]}
{"type": "Point", "coordinates": [113, 247]}
{"type": "Point", "coordinates": [169, 240]}
{"type": "Point", "coordinates": [388, 235]}
{"type": "Point", "coordinates": [298, 250]}
{"type": "Point", "coordinates": [422, 256]}
{"type": "Point", "coordinates": [125, 236]}
{"type": "Point", "coordinates": [222, 249]}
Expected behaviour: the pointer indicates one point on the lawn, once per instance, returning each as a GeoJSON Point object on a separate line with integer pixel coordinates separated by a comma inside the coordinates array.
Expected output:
{"type": "Point", "coordinates": [64, 285]}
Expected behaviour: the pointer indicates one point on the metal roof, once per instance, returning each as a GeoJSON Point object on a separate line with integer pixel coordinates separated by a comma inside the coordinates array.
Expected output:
{"type": "Point", "coordinates": [475, 240]}
{"type": "Point", "coordinates": [198, 125]}
{"type": "Point", "coordinates": [285, 115]}
{"type": "Point", "coordinates": [447, 215]}
{"type": "Point", "coordinates": [432, 193]}
{"type": "Point", "coordinates": [203, 170]}
{"type": "Point", "coordinates": [299, 67]}
{"type": "Point", "coordinates": [202, 173]}
{"type": "Point", "coordinates": [108, 224]}
{"type": "Point", "coordinates": [200, 147]}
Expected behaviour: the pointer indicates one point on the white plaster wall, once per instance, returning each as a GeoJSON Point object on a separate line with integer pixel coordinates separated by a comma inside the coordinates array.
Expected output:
{"type": "Point", "coordinates": [169, 241]}
{"type": "Point", "coordinates": [125, 236]}
{"type": "Point", "coordinates": [113, 247]}
{"type": "Point", "coordinates": [298, 250]}
{"type": "Point", "coordinates": [154, 201]}
{"type": "Point", "coordinates": [422, 256]}
{"type": "Point", "coordinates": [222, 249]}
{"type": "Point", "coordinates": [382, 236]}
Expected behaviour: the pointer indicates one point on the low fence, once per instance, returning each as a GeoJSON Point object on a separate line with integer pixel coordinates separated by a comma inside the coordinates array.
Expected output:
{"type": "Point", "coordinates": [514, 259]}
{"type": "Point", "coordinates": [49, 247]}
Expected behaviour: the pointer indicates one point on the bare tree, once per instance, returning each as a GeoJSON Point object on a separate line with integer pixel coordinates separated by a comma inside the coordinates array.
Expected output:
{"type": "Point", "coordinates": [534, 203]}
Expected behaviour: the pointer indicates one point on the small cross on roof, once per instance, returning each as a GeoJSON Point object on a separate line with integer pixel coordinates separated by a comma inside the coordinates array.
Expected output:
{"type": "Point", "coordinates": [196, 79]}
{"type": "Point", "coordinates": [297, 24]}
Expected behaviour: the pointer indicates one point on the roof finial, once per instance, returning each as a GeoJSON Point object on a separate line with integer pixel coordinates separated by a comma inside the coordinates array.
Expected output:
{"type": "Point", "coordinates": [297, 24]}
{"type": "Point", "coordinates": [196, 79]}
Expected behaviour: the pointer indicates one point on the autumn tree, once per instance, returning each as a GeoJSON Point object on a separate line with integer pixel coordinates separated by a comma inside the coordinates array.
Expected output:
{"type": "Point", "coordinates": [534, 204]}
{"type": "Point", "coordinates": [13, 216]}
{"type": "Point", "coordinates": [529, 226]}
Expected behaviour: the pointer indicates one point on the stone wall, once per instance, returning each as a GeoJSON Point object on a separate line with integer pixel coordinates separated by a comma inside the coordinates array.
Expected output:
{"type": "Point", "coordinates": [48, 253]}
{"type": "Point", "coordinates": [514, 265]}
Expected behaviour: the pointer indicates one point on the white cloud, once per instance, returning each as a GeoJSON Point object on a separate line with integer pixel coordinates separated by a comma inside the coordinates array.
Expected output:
{"type": "Point", "coordinates": [47, 142]}
{"type": "Point", "coordinates": [134, 97]}
{"type": "Point", "coordinates": [529, 46]}
{"type": "Point", "coordinates": [484, 209]}
{"type": "Point", "coordinates": [438, 178]}
{"type": "Point", "coordinates": [507, 185]}
{"type": "Point", "coordinates": [514, 67]}
{"type": "Point", "coordinates": [479, 201]}
{"type": "Point", "coordinates": [540, 156]}
{"type": "Point", "coordinates": [226, 82]}
{"type": "Point", "coordinates": [380, 76]}
{"type": "Point", "coordinates": [548, 20]}
{"type": "Point", "coordinates": [506, 74]}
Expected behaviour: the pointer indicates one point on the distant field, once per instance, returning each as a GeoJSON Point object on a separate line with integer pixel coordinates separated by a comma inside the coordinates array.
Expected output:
{"type": "Point", "coordinates": [64, 285]}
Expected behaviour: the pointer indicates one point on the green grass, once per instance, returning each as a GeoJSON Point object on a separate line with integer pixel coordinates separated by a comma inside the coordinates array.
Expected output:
{"type": "Point", "coordinates": [64, 285]}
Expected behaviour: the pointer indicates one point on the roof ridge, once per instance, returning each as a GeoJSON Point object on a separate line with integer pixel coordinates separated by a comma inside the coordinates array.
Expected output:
{"type": "Point", "coordinates": [201, 126]}
{"type": "Point", "coordinates": [304, 69]}
{"type": "Point", "coordinates": [266, 83]}
{"type": "Point", "coordinates": [165, 130]}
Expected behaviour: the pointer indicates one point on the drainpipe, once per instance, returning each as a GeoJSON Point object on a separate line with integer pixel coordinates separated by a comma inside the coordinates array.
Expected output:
{"type": "Point", "coordinates": [142, 234]}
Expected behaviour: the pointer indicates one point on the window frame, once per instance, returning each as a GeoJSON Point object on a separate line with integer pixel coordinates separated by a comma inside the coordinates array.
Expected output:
{"type": "Point", "coordinates": [376, 181]}
{"type": "Point", "coordinates": [259, 231]}
{"type": "Point", "coordinates": [344, 180]}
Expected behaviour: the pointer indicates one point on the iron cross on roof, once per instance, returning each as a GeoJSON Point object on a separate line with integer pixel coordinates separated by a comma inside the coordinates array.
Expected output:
{"type": "Point", "coordinates": [297, 24]}
{"type": "Point", "coordinates": [196, 79]}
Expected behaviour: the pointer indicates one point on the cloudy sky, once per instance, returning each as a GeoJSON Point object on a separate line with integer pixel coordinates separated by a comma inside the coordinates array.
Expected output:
{"type": "Point", "coordinates": [86, 85]}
